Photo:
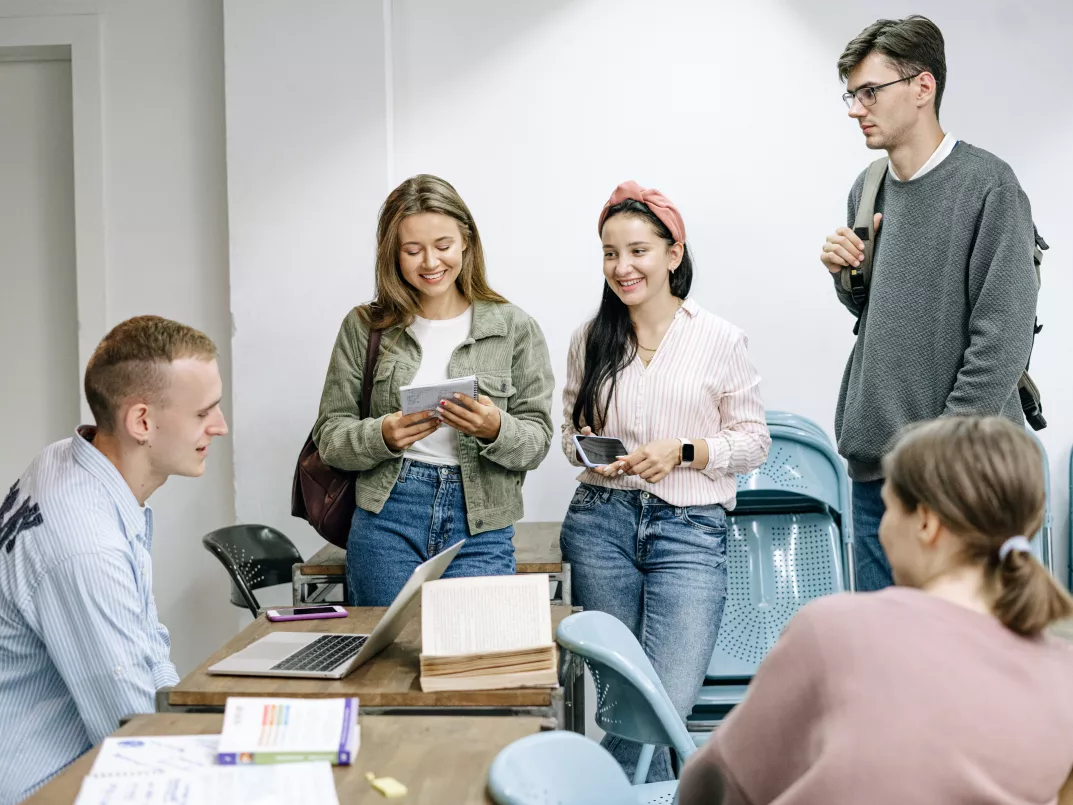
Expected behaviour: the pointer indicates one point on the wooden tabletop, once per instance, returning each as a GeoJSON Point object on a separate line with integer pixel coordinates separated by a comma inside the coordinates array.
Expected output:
{"type": "Point", "coordinates": [390, 679]}
{"type": "Point", "coordinates": [440, 759]}
{"type": "Point", "coordinates": [536, 550]}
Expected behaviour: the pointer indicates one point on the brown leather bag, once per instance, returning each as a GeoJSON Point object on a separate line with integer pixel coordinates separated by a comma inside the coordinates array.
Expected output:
{"type": "Point", "coordinates": [324, 496]}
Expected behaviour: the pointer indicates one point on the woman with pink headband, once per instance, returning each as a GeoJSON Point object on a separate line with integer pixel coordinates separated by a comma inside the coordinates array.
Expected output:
{"type": "Point", "coordinates": [646, 533]}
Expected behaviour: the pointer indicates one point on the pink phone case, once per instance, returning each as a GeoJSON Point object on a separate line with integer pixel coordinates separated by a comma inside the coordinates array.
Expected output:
{"type": "Point", "coordinates": [313, 616]}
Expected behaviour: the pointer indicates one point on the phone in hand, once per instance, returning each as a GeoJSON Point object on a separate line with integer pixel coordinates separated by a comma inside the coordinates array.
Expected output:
{"type": "Point", "coordinates": [598, 451]}
{"type": "Point", "coordinates": [305, 613]}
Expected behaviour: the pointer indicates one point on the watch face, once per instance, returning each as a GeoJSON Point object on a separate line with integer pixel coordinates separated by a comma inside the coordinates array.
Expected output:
{"type": "Point", "coordinates": [687, 453]}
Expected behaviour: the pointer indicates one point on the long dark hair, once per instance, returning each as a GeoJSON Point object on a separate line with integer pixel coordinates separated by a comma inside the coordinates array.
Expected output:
{"type": "Point", "coordinates": [611, 340]}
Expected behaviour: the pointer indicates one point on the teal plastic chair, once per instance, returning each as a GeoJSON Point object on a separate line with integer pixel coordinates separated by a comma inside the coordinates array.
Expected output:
{"type": "Point", "coordinates": [789, 541]}
{"type": "Point", "coordinates": [630, 699]}
{"type": "Point", "coordinates": [1043, 543]}
{"type": "Point", "coordinates": [564, 768]}
{"type": "Point", "coordinates": [803, 423]}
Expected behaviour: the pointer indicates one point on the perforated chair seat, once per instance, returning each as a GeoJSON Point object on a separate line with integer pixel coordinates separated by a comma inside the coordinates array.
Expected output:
{"type": "Point", "coordinates": [564, 768]}
{"type": "Point", "coordinates": [776, 563]}
{"type": "Point", "coordinates": [719, 698]}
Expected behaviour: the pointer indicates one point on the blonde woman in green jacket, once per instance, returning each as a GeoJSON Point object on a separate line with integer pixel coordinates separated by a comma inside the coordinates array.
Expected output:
{"type": "Point", "coordinates": [430, 479]}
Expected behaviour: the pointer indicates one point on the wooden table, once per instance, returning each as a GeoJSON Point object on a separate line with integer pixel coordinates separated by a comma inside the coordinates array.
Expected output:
{"type": "Point", "coordinates": [388, 683]}
{"type": "Point", "coordinates": [440, 759]}
{"type": "Point", "coordinates": [536, 550]}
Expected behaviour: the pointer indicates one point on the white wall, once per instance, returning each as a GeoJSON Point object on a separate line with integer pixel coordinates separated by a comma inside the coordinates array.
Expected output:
{"type": "Point", "coordinates": [305, 164]}
{"type": "Point", "coordinates": [38, 307]}
{"type": "Point", "coordinates": [166, 230]}
{"type": "Point", "coordinates": [535, 112]}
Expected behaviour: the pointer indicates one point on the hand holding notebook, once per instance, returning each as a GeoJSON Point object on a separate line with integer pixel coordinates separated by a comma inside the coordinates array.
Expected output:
{"type": "Point", "coordinates": [427, 397]}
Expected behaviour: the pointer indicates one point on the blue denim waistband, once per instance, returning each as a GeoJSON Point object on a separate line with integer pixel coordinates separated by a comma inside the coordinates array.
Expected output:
{"type": "Point", "coordinates": [429, 472]}
{"type": "Point", "coordinates": [639, 497]}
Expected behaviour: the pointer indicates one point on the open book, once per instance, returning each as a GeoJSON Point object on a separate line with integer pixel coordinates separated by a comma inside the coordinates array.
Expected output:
{"type": "Point", "coordinates": [487, 633]}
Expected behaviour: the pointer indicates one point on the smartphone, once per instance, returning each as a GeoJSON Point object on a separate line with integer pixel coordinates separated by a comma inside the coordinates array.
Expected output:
{"type": "Point", "coordinates": [305, 613]}
{"type": "Point", "coordinates": [597, 451]}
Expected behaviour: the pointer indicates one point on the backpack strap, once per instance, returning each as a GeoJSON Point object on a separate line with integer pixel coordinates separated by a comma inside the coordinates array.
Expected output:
{"type": "Point", "coordinates": [1038, 249]}
{"type": "Point", "coordinates": [372, 352]}
{"type": "Point", "coordinates": [855, 279]}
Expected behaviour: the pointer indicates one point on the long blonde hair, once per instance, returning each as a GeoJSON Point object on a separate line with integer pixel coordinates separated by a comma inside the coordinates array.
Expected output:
{"type": "Point", "coordinates": [983, 478]}
{"type": "Point", "coordinates": [397, 302]}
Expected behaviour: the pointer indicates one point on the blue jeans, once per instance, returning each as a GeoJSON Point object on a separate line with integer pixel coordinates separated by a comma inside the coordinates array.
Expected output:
{"type": "Point", "coordinates": [869, 559]}
{"type": "Point", "coordinates": [662, 571]}
{"type": "Point", "coordinates": [425, 514]}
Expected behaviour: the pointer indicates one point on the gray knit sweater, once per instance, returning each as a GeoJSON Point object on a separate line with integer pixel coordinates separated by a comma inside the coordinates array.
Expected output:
{"type": "Point", "coordinates": [948, 325]}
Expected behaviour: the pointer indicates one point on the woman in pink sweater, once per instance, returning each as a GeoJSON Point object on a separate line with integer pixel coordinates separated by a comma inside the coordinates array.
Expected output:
{"type": "Point", "coordinates": [943, 689]}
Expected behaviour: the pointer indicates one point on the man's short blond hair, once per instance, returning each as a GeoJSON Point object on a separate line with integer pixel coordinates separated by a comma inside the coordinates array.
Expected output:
{"type": "Point", "coordinates": [128, 363]}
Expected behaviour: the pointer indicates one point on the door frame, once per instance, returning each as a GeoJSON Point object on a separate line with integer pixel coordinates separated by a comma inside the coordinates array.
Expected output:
{"type": "Point", "coordinates": [79, 35]}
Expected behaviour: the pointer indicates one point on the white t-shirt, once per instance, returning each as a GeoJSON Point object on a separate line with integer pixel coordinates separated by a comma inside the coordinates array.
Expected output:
{"type": "Point", "coordinates": [438, 339]}
{"type": "Point", "coordinates": [940, 153]}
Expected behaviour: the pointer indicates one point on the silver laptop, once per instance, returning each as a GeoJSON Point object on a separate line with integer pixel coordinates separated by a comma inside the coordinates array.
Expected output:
{"type": "Point", "coordinates": [334, 655]}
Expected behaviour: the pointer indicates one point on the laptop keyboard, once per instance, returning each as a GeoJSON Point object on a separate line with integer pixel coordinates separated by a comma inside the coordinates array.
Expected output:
{"type": "Point", "coordinates": [323, 654]}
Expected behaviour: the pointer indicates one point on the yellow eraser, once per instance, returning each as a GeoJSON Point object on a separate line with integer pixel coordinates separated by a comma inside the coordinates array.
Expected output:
{"type": "Point", "coordinates": [388, 786]}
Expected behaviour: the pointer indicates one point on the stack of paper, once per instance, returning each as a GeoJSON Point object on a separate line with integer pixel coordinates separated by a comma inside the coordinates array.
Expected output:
{"type": "Point", "coordinates": [208, 770]}
{"type": "Point", "coordinates": [216, 785]}
{"type": "Point", "coordinates": [487, 632]}
{"type": "Point", "coordinates": [154, 754]}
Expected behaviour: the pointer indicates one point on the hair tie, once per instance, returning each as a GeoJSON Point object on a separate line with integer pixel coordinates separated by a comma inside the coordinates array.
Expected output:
{"type": "Point", "coordinates": [1018, 543]}
{"type": "Point", "coordinates": [661, 207]}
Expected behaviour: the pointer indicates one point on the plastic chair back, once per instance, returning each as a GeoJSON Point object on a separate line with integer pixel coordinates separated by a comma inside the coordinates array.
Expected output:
{"type": "Point", "coordinates": [776, 563]}
{"type": "Point", "coordinates": [557, 768]}
{"type": "Point", "coordinates": [802, 470]}
{"type": "Point", "coordinates": [1042, 543]}
{"type": "Point", "coordinates": [255, 556]}
{"type": "Point", "coordinates": [630, 699]}
{"type": "Point", "coordinates": [786, 419]}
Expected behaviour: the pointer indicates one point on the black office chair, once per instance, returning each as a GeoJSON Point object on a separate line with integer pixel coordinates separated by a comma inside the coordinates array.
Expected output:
{"type": "Point", "coordinates": [254, 556]}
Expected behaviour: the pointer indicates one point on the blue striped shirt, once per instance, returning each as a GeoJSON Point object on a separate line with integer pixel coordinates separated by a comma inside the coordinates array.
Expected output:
{"type": "Point", "coordinates": [80, 643]}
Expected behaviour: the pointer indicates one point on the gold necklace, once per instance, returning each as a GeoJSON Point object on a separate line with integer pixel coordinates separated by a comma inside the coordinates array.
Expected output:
{"type": "Point", "coordinates": [650, 349]}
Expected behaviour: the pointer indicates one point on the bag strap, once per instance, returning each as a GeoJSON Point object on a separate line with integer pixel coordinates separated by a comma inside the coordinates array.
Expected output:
{"type": "Point", "coordinates": [372, 352]}
{"type": "Point", "coordinates": [855, 279]}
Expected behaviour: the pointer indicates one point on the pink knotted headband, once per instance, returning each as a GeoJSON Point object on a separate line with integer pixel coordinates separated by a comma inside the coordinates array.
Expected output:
{"type": "Point", "coordinates": [661, 207]}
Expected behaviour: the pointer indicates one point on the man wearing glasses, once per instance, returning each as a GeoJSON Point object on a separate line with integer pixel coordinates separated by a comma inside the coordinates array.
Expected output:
{"type": "Point", "coordinates": [947, 326]}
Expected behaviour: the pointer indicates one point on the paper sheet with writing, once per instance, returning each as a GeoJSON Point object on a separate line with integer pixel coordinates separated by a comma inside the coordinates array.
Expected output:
{"type": "Point", "coordinates": [485, 614]}
{"type": "Point", "coordinates": [219, 785]}
{"type": "Point", "coordinates": [154, 754]}
{"type": "Point", "coordinates": [427, 398]}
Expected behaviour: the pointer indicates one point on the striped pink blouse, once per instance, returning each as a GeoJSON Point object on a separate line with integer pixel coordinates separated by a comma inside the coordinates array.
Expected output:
{"type": "Point", "coordinates": [700, 382]}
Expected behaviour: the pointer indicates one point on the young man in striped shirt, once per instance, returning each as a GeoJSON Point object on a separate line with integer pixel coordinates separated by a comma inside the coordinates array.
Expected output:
{"type": "Point", "coordinates": [80, 643]}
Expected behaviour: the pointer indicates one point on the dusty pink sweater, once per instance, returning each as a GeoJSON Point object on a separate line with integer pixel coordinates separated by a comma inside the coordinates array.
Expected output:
{"type": "Point", "coordinates": [896, 697]}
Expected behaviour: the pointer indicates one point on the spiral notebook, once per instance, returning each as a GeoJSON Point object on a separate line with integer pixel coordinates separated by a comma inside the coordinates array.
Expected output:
{"type": "Point", "coordinates": [427, 397]}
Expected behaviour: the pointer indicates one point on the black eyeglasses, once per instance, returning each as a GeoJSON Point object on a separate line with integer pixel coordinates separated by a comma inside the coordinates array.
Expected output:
{"type": "Point", "coordinates": [867, 95]}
